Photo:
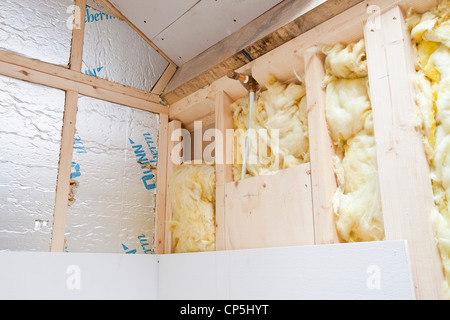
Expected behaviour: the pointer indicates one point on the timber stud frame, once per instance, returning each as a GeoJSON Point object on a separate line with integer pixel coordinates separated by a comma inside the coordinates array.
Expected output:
{"type": "Point", "coordinates": [407, 198]}
{"type": "Point", "coordinates": [404, 173]}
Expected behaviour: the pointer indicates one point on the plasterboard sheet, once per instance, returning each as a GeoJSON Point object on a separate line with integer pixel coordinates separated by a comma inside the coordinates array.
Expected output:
{"type": "Point", "coordinates": [77, 276]}
{"type": "Point", "coordinates": [114, 200]}
{"type": "Point", "coordinates": [113, 50]}
{"type": "Point", "coordinates": [153, 16]}
{"type": "Point", "coordinates": [372, 270]}
{"type": "Point", "coordinates": [37, 29]}
{"type": "Point", "coordinates": [206, 24]}
{"type": "Point", "coordinates": [31, 118]}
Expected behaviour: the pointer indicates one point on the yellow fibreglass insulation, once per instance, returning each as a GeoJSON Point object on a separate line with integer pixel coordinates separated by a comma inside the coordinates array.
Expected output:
{"type": "Point", "coordinates": [281, 107]}
{"type": "Point", "coordinates": [431, 43]}
{"type": "Point", "coordinates": [192, 192]}
{"type": "Point", "coordinates": [357, 202]}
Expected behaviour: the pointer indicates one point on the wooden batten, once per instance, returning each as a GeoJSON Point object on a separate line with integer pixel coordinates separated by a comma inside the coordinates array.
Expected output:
{"type": "Point", "coordinates": [64, 171]}
{"type": "Point", "coordinates": [76, 53]}
{"type": "Point", "coordinates": [404, 175]}
{"type": "Point", "coordinates": [224, 159]}
{"type": "Point", "coordinates": [322, 151]}
{"type": "Point", "coordinates": [68, 134]}
{"type": "Point", "coordinates": [161, 192]}
{"type": "Point", "coordinates": [174, 140]}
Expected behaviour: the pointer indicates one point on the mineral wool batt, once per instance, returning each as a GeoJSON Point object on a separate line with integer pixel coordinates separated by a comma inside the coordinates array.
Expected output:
{"type": "Point", "coordinates": [431, 43]}
{"type": "Point", "coordinates": [37, 29]}
{"type": "Point", "coordinates": [192, 193]}
{"type": "Point", "coordinates": [280, 139]}
{"type": "Point", "coordinates": [31, 118]}
{"type": "Point", "coordinates": [357, 203]}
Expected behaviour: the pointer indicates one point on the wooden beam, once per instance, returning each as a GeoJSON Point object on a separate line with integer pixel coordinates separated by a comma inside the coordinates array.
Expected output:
{"type": "Point", "coordinates": [404, 175]}
{"type": "Point", "coordinates": [76, 53]}
{"type": "Point", "coordinates": [75, 76]}
{"type": "Point", "coordinates": [68, 133]}
{"type": "Point", "coordinates": [27, 74]}
{"type": "Point", "coordinates": [171, 167]}
{"type": "Point", "coordinates": [164, 80]}
{"type": "Point", "coordinates": [324, 184]}
{"type": "Point", "coordinates": [279, 25]}
{"type": "Point", "coordinates": [64, 171]}
{"type": "Point", "coordinates": [224, 163]}
{"type": "Point", "coordinates": [161, 192]}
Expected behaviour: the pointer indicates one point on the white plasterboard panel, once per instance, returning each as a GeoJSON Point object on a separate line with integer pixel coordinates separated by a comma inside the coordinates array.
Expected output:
{"type": "Point", "coordinates": [153, 16]}
{"type": "Point", "coordinates": [206, 24]}
{"type": "Point", "coordinates": [377, 270]}
{"type": "Point", "coordinates": [56, 276]}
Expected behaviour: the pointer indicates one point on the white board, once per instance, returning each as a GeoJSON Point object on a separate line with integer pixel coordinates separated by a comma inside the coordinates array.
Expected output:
{"type": "Point", "coordinates": [63, 276]}
{"type": "Point", "coordinates": [184, 29]}
{"type": "Point", "coordinates": [378, 270]}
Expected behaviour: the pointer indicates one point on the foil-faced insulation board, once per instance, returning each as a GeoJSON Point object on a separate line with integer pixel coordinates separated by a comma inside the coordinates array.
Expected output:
{"type": "Point", "coordinates": [37, 29]}
{"type": "Point", "coordinates": [114, 51]}
{"type": "Point", "coordinates": [31, 118]}
{"type": "Point", "coordinates": [113, 203]}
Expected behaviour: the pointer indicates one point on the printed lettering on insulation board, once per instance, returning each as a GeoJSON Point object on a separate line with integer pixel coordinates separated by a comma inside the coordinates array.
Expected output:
{"type": "Point", "coordinates": [80, 149]}
{"type": "Point", "coordinates": [143, 241]}
{"type": "Point", "coordinates": [145, 161]}
{"type": "Point", "coordinates": [93, 15]}
{"type": "Point", "coordinates": [94, 72]}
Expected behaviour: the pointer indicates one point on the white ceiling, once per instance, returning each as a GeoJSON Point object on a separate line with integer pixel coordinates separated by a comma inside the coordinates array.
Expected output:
{"type": "Point", "coordinates": [185, 28]}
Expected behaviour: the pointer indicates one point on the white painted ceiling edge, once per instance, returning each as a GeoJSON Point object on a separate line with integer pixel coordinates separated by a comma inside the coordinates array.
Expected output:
{"type": "Point", "coordinates": [183, 29]}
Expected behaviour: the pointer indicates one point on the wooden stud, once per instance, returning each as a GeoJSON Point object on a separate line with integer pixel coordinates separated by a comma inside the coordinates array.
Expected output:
{"type": "Point", "coordinates": [171, 167]}
{"type": "Point", "coordinates": [76, 53]}
{"type": "Point", "coordinates": [405, 183]}
{"type": "Point", "coordinates": [64, 171]}
{"type": "Point", "coordinates": [68, 133]}
{"type": "Point", "coordinates": [30, 75]}
{"type": "Point", "coordinates": [72, 75]}
{"type": "Point", "coordinates": [224, 167]}
{"type": "Point", "coordinates": [161, 193]}
{"type": "Point", "coordinates": [164, 80]}
{"type": "Point", "coordinates": [324, 184]}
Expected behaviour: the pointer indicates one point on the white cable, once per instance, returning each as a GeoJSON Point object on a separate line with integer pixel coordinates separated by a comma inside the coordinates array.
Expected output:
{"type": "Point", "coordinates": [248, 141]}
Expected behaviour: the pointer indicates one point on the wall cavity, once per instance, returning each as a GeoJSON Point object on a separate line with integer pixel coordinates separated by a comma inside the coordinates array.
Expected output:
{"type": "Point", "coordinates": [37, 29]}
{"type": "Point", "coordinates": [31, 118]}
{"type": "Point", "coordinates": [113, 179]}
{"type": "Point", "coordinates": [114, 51]}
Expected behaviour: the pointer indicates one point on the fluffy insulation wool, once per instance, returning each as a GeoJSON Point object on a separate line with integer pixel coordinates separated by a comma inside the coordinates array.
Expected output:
{"type": "Point", "coordinates": [279, 139]}
{"type": "Point", "coordinates": [192, 192]}
{"type": "Point", "coordinates": [431, 42]}
{"type": "Point", "coordinates": [357, 202]}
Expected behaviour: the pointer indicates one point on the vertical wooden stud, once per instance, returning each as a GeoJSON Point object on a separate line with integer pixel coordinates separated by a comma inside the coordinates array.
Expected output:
{"type": "Point", "coordinates": [161, 191]}
{"type": "Point", "coordinates": [406, 190]}
{"type": "Point", "coordinates": [322, 151]}
{"type": "Point", "coordinates": [174, 126]}
{"type": "Point", "coordinates": [65, 167]}
{"type": "Point", "coordinates": [76, 53]}
{"type": "Point", "coordinates": [224, 168]}
{"type": "Point", "coordinates": [68, 133]}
